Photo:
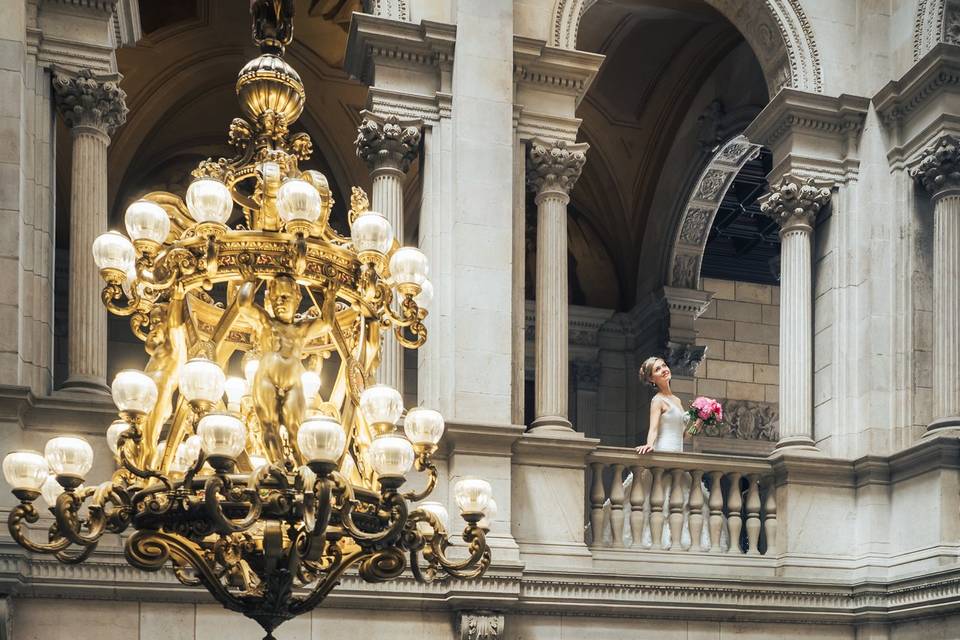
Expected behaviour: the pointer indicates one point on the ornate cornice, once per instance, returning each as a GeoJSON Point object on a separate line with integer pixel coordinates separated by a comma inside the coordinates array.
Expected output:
{"type": "Point", "coordinates": [375, 41]}
{"type": "Point", "coordinates": [541, 67]}
{"type": "Point", "coordinates": [793, 201]}
{"type": "Point", "coordinates": [939, 169]}
{"type": "Point", "coordinates": [554, 166]}
{"type": "Point", "coordinates": [386, 142]}
{"type": "Point", "coordinates": [88, 99]}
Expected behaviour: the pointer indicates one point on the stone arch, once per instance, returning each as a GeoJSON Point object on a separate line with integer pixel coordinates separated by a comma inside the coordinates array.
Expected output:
{"type": "Point", "coordinates": [778, 31]}
{"type": "Point", "coordinates": [936, 21]}
{"type": "Point", "coordinates": [693, 229]}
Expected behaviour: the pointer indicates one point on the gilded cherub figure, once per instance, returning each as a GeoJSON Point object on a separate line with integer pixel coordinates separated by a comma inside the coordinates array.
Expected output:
{"type": "Point", "coordinates": [281, 337]}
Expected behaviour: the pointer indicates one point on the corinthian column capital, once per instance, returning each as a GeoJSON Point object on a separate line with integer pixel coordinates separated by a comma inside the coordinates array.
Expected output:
{"type": "Point", "coordinates": [554, 166]}
{"type": "Point", "coordinates": [386, 142]}
{"type": "Point", "coordinates": [88, 99]}
{"type": "Point", "coordinates": [794, 201]}
{"type": "Point", "coordinates": [939, 169]}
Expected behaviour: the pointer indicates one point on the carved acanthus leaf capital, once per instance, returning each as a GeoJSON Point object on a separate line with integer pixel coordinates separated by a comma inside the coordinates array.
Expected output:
{"type": "Point", "coordinates": [90, 99]}
{"type": "Point", "coordinates": [387, 141]}
{"type": "Point", "coordinates": [480, 625]}
{"type": "Point", "coordinates": [554, 166]}
{"type": "Point", "coordinates": [795, 201]}
{"type": "Point", "coordinates": [939, 167]}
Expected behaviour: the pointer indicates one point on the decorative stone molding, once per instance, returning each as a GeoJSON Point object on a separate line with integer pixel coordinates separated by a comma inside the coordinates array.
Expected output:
{"type": "Point", "coordinates": [554, 166]}
{"type": "Point", "coordinates": [778, 31]}
{"type": "Point", "coordinates": [587, 375]}
{"type": "Point", "coordinates": [794, 201]}
{"type": "Point", "coordinates": [480, 625]}
{"type": "Point", "coordinates": [936, 21]}
{"type": "Point", "coordinates": [387, 141]}
{"type": "Point", "coordinates": [748, 420]}
{"type": "Point", "coordinates": [88, 99]}
{"type": "Point", "coordinates": [392, 9]}
{"type": "Point", "coordinates": [584, 325]}
{"type": "Point", "coordinates": [539, 67]}
{"type": "Point", "coordinates": [685, 359]}
{"type": "Point", "coordinates": [939, 168]}
{"type": "Point", "coordinates": [697, 218]}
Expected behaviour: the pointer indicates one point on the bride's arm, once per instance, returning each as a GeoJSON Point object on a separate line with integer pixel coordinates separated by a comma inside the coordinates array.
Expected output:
{"type": "Point", "coordinates": [655, 410]}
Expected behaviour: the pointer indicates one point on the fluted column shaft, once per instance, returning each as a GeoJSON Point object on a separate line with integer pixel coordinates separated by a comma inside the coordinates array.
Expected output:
{"type": "Point", "coordinates": [388, 145]}
{"type": "Point", "coordinates": [794, 205]}
{"type": "Point", "coordinates": [552, 171]}
{"type": "Point", "coordinates": [92, 106]}
{"type": "Point", "coordinates": [939, 173]}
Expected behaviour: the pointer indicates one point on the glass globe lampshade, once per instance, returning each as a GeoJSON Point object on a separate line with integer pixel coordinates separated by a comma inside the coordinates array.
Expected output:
{"type": "Point", "coordinates": [223, 435]}
{"type": "Point", "coordinates": [209, 200]}
{"type": "Point", "coordinates": [489, 513]}
{"type": "Point", "coordinates": [258, 461]}
{"type": "Point", "coordinates": [424, 427]}
{"type": "Point", "coordinates": [113, 250]}
{"type": "Point", "coordinates": [381, 405]}
{"type": "Point", "coordinates": [391, 455]}
{"type": "Point", "coordinates": [310, 381]}
{"type": "Point", "coordinates": [202, 381]}
{"type": "Point", "coordinates": [472, 495]}
{"type": "Point", "coordinates": [321, 439]}
{"type": "Point", "coordinates": [371, 232]}
{"type": "Point", "coordinates": [116, 428]}
{"type": "Point", "coordinates": [298, 200]}
{"type": "Point", "coordinates": [69, 456]}
{"type": "Point", "coordinates": [51, 490]}
{"type": "Point", "coordinates": [408, 266]}
{"type": "Point", "coordinates": [25, 470]}
{"type": "Point", "coordinates": [134, 391]}
{"type": "Point", "coordinates": [425, 298]}
{"type": "Point", "coordinates": [437, 510]}
{"type": "Point", "coordinates": [235, 388]}
{"type": "Point", "coordinates": [147, 220]}
{"type": "Point", "coordinates": [185, 457]}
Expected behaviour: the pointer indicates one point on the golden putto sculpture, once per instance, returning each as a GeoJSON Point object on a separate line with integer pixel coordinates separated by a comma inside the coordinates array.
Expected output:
{"type": "Point", "coordinates": [263, 487]}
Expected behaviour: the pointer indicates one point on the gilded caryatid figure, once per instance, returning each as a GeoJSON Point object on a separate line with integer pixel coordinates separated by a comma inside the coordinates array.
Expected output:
{"type": "Point", "coordinates": [281, 336]}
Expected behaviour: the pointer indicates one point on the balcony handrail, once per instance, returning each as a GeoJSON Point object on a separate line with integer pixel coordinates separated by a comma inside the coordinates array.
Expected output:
{"type": "Point", "coordinates": [687, 461]}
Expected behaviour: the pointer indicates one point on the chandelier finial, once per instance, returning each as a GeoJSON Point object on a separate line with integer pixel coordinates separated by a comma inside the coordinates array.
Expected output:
{"type": "Point", "coordinates": [272, 24]}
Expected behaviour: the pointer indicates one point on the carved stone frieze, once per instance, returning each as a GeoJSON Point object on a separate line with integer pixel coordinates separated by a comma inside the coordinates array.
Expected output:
{"type": "Point", "coordinates": [795, 201]}
{"type": "Point", "coordinates": [393, 9]}
{"type": "Point", "coordinates": [387, 141]}
{"type": "Point", "coordinates": [90, 99]}
{"type": "Point", "coordinates": [480, 625]}
{"type": "Point", "coordinates": [939, 167]}
{"type": "Point", "coordinates": [696, 225]}
{"type": "Point", "coordinates": [685, 359]}
{"type": "Point", "coordinates": [554, 166]}
{"type": "Point", "coordinates": [747, 420]}
{"type": "Point", "coordinates": [711, 186]}
{"type": "Point", "coordinates": [685, 271]}
{"type": "Point", "coordinates": [587, 375]}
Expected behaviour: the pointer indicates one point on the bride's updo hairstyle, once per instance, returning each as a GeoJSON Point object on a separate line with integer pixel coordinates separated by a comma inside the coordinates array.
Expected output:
{"type": "Point", "coordinates": [646, 370]}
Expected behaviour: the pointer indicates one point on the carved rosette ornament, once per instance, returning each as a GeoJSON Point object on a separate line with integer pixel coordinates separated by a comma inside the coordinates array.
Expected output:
{"type": "Point", "coordinates": [939, 168]}
{"type": "Point", "coordinates": [86, 99]}
{"type": "Point", "coordinates": [387, 142]}
{"type": "Point", "coordinates": [555, 167]}
{"type": "Point", "coordinates": [793, 201]}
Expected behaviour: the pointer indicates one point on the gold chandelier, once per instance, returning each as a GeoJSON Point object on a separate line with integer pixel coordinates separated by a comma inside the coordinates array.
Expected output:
{"type": "Point", "coordinates": [263, 488]}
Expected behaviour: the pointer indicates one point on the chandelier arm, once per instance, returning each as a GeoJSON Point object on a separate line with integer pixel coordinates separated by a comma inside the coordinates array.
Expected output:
{"type": "Point", "coordinates": [150, 550]}
{"type": "Point", "coordinates": [479, 570]}
{"type": "Point", "coordinates": [398, 512]}
{"type": "Point", "coordinates": [212, 490]}
{"type": "Point", "coordinates": [114, 291]}
{"type": "Point", "coordinates": [26, 512]}
{"type": "Point", "coordinates": [145, 474]}
{"type": "Point", "coordinates": [67, 557]}
{"type": "Point", "coordinates": [332, 579]}
{"type": "Point", "coordinates": [477, 546]}
{"type": "Point", "coordinates": [65, 512]}
{"type": "Point", "coordinates": [423, 465]}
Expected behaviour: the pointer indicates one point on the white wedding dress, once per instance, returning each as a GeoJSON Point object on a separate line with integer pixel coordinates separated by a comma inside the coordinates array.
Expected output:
{"type": "Point", "coordinates": [672, 423]}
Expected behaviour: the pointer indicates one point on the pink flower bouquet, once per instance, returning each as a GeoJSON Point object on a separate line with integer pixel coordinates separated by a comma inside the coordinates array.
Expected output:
{"type": "Point", "coordinates": [707, 410]}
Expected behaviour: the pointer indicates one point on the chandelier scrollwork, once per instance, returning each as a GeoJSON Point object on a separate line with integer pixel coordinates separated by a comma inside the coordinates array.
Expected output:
{"type": "Point", "coordinates": [264, 488]}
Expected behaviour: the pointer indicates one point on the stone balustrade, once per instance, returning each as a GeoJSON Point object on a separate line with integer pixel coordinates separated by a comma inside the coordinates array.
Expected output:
{"type": "Point", "coordinates": [681, 502]}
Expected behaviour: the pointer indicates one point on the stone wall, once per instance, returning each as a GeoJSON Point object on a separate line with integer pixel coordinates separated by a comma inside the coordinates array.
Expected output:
{"type": "Point", "coordinates": [741, 330]}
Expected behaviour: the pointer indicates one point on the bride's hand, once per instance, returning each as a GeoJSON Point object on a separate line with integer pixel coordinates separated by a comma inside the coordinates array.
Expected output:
{"type": "Point", "coordinates": [647, 448]}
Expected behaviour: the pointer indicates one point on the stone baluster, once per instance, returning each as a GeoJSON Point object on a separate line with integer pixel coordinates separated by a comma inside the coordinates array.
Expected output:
{"type": "Point", "coordinates": [770, 518]}
{"type": "Point", "coordinates": [638, 495]}
{"type": "Point", "coordinates": [734, 517]}
{"type": "Point", "coordinates": [716, 510]}
{"type": "Point", "coordinates": [794, 205]}
{"type": "Point", "coordinates": [597, 498]}
{"type": "Point", "coordinates": [93, 106]}
{"type": "Point", "coordinates": [939, 173]}
{"type": "Point", "coordinates": [676, 507]}
{"type": "Point", "coordinates": [616, 504]}
{"type": "Point", "coordinates": [552, 170]}
{"type": "Point", "coordinates": [753, 514]}
{"type": "Point", "coordinates": [656, 509]}
{"type": "Point", "coordinates": [696, 509]}
{"type": "Point", "coordinates": [388, 145]}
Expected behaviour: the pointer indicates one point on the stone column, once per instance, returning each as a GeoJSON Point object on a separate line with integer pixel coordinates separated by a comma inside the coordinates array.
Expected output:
{"type": "Point", "coordinates": [939, 173]}
{"type": "Point", "coordinates": [387, 145]}
{"type": "Point", "coordinates": [552, 170]}
{"type": "Point", "coordinates": [92, 106]}
{"type": "Point", "coordinates": [794, 205]}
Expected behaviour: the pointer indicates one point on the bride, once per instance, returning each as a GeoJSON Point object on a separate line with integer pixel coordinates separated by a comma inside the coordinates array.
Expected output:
{"type": "Point", "coordinates": [668, 420]}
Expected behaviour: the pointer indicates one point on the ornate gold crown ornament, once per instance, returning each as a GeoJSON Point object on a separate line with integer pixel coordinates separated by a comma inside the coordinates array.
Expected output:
{"type": "Point", "coordinates": [263, 488]}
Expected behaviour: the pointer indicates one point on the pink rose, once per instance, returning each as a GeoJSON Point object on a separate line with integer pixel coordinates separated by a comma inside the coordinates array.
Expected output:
{"type": "Point", "coordinates": [704, 413]}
